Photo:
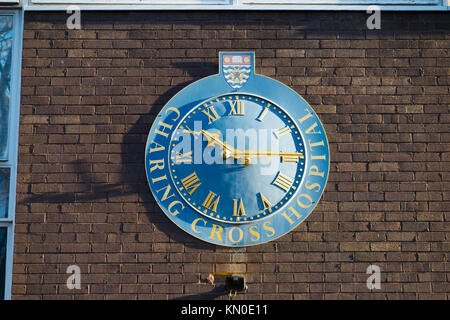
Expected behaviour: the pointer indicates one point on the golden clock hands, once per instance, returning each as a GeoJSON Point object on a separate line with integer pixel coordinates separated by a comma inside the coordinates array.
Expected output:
{"type": "Point", "coordinates": [194, 133]}
{"type": "Point", "coordinates": [269, 153]}
{"type": "Point", "coordinates": [247, 154]}
{"type": "Point", "coordinates": [241, 154]}
{"type": "Point", "coordinates": [213, 138]}
{"type": "Point", "coordinates": [231, 151]}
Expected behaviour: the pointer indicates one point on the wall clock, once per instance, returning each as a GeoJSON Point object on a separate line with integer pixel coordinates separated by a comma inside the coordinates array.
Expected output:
{"type": "Point", "coordinates": [237, 159]}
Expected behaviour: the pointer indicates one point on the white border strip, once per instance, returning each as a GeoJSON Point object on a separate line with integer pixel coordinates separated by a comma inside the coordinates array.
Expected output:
{"type": "Point", "coordinates": [441, 6]}
{"type": "Point", "coordinates": [239, 5]}
{"type": "Point", "coordinates": [138, 2]}
{"type": "Point", "coordinates": [329, 2]}
{"type": "Point", "coordinates": [237, 8]}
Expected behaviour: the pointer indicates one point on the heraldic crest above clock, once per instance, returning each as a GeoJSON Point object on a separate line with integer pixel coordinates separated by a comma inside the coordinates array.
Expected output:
{"type": "Point", "coordinates": [237, 159]}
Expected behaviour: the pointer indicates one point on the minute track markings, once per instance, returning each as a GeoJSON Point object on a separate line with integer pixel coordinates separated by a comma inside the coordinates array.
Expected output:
{"type": "Point", "coordinates": [223, 109]}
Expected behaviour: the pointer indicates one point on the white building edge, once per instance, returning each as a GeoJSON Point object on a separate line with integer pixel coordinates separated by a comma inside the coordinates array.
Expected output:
{"type": "Point", "coordinates": [332, 5]}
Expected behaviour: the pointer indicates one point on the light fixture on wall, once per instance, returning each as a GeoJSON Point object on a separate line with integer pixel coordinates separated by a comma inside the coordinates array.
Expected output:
{"type": "Point", "coordinates": [235, 284]}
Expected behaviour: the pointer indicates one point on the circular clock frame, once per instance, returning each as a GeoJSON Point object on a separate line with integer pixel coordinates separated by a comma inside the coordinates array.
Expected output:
{"type": "Point", "coordinates": [244, 233]}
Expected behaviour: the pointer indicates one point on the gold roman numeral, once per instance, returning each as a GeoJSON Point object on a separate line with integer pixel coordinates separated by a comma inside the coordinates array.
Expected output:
{"type": "Point", "coordinates": [282, 131]}
{"type": "Point", "coordinates": [183, 157]}
{"type": "Point", "coordinates": [282, 181]}
{"type": "Point", "coordinates": [237, 108]}
{"type": "Point", "coordinates": [191, 183]}
{"type": "Point", "coordinates": [211, 113]}
{"type": "Point", "coordinates": [289, 158]}
{"type": "Point", "coordinates": [211, 201]}
{"type": "Point", "coordinates": [265, 203]}
{"type": "Point", "coordinates": [238, 208]}
{"type": "Point", "coordinates": [263, 113]}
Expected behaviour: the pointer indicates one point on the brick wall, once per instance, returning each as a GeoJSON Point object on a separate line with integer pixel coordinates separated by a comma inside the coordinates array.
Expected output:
{"type": "Point", "coordinates": [90, 96]}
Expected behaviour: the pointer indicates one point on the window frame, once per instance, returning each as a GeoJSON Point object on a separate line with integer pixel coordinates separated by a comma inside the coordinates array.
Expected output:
{"type": "Point", "coordinates": [261, 5]}
{"type": "Point", "coordinates": [13, 141]}
{"type": "Point", "coordinates": [335, 2]}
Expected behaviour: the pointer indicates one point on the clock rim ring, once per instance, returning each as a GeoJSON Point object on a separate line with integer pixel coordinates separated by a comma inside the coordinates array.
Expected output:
{"type": "Point", "coordinates": [284, 232]}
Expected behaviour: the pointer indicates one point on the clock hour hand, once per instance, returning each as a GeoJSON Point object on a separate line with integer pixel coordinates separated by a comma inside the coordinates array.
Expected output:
{"type": "Point", "coordinates": [227, 150]}
{"type": "Point", "coordinates": [213, 138]}
{"type": "Point", "coordinates": [194, 133]}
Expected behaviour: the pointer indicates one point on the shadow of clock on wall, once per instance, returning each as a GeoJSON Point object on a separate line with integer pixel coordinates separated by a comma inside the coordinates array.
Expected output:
{"type": "Point", "coordinates": [124, 197]}
{"type": "Point", "coordinates": [130, 189]}
{"type": "Point", "coordinates": [133, 179]}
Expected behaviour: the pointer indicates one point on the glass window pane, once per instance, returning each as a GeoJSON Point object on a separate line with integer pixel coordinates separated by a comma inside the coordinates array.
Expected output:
{"type": "Point", "coordinates": [6, 32]}
{"type": "Point", "coordinates": [3, 233]}
{"type": "Point", "coordinates": [4, 192]}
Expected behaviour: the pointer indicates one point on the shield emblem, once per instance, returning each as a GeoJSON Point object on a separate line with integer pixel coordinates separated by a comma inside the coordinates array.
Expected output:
{"type": "Point", "coordinates": [236, 69]}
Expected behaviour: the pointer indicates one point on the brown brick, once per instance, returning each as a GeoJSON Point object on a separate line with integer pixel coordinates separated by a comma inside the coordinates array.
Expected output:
{"type": "Point", "coordinates": [86, 99]}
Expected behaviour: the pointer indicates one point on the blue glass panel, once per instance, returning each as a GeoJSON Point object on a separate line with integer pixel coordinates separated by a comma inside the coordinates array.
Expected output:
{"type": "Point", "coordinates": [6, 33]}
{"type": "Point", "coordinates": [3, 233]}
{"type": "Point", "coordinates": [4, 192]}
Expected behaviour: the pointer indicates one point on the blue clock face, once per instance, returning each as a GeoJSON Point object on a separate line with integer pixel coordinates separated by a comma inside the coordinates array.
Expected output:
{"type": "Point", "coordinates": [237, 159]}
{"type": "Point", "coordinates": [237, 139]}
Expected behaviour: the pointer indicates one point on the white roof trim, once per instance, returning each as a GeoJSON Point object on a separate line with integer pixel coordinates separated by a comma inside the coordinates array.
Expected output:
{"type": "Point", "coordinates": [333, 5]}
